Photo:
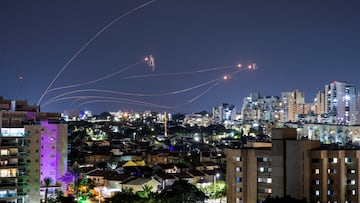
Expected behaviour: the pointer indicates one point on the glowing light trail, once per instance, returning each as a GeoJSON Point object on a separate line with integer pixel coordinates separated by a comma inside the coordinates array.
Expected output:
{"type": "Point", "coordinates": [180, 73]}
{"type": "Point", "coordinates": [89, 42]}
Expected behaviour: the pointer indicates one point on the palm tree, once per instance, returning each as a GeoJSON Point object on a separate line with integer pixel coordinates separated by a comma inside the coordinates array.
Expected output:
{"type": "Point", "coordinates": [71, 177]}
{"type": "Point", "coordinates": [47, 182]}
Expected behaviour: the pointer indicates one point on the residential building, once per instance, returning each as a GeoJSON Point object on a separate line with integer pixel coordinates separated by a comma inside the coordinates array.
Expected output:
{"type": "Point", "coordinates": [320, 103]}
{"type": "Point", "coordinates": [224, 114]}
{"type": "Point", "coordinates": [33, 146]}
{"type": "Point", "coordinates": [293, 104]}
{"type": "Point", "coordinates": [257, 109]}
{"type": "Point", "coordinates": [280, 168]}
{"type": "Point", "coordinates": [341, 100]}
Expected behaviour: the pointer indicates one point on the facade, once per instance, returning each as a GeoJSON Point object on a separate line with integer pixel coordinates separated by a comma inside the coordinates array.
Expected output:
{"type": "Point", "coordinates": [320, 103]}
{"type": "Point", "coordinates": [277, 169]}
{"type": "Point", "coordinates": [335, 175]}
{"type": "Point", "coordinates": [223, 113]}
{"type": "Point", "coordinates": [341, 100]}
{"type": "Point", "coordinates": [248, 174]}
{"type": "Point", "coordinates": [257, 108]}
{"type": "Point", "coordinates": [33, 146]}
{"type": "Point", "coordinates": [293, 104]}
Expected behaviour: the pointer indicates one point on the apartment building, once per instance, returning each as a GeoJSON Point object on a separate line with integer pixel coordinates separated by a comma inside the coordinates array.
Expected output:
{"type": "Point", "coordinates": [277, 169]}
{"type": "Point", "coordinates": [33, 146]}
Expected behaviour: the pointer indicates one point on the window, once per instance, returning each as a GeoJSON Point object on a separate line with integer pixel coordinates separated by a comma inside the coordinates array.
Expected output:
{"type": "Point", "coordinates": [331, 171]}
{"type": "Point", "coordinates": [261, 169]}
{"type": "Point", "coordinates": [348, 160]}
{"type": "Point", "coordinates": [350, 182]}
{"type": "Point", "coordinates": [352, 171]}
{"type": "Point", "coordinates": [331, 192]}
{"type": "Point", "coordinates": [268, 180]}
{"type": "Point", "coordinates": [333, 160]}
{"type": "Point", "coordinates": [238, 158]}
{"type": "Point", "coordinates": [316, 171]}
{"type": "Point", "coordinates": [238, 169]}
{"type": "Point", "coordinates": [238, 179]}
{"type": "Point", "coordinates": [315, 160]}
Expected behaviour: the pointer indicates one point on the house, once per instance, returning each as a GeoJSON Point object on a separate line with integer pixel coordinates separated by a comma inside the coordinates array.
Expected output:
{"type": "Point", "coordinates": [166, 179]}
{"type": "Point", "coordinates": [138, 184]}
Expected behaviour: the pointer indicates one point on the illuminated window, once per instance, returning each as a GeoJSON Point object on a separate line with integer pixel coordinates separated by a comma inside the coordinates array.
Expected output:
{"type": "Point", "coordinates": [330, 192]}
{"type": "Point", "coordinates": [316, 171]}
{"type": "Point", "coordinates": [348, 160]}
{"type": "Point", "coordinates": [333, 160]}
{"type": "Point", "coordinates": [268, 180]}
{"type": "Point", "coordinates": [261, 169]}
{"type": "Point", "coordinates": [331, 171]}
{"type": "Point", "coordinates": [317, 192]}
{"type": "Point", "coordinates": [238, 169]}
{"type": "Point", "coordinates": [238, 158]}
{"type": "Point", "coordinates": [351, 182]}
{"type": "Point", "coordinates": [352, 171]}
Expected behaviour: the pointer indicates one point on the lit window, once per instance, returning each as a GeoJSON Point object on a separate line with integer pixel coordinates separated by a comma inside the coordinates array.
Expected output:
{"type": "Point", "coordinates": [268, 180]}
{"type": "Point", "coordinates": [261, 169]}
{"type": "Point", "coordinates": [238, 169]}
{"type": "Point", "coordinates": [317, 192]}
{"type": "Point", "coordinates": [348, 160]}
{"type": "Point", "coordinates": [353, 192]}
{"type": "Point", "coordinates": [352, 171]}
{"type": "Point", "coordinates": [238, 158]}
{"type": "Point", "coordinates": [317, 171]}
{"type": "Point", "coordinates": [331, 171]}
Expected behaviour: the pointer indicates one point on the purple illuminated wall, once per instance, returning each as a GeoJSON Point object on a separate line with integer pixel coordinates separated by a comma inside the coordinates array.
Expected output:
{"type": "Point", "coordinates": [53, 158]}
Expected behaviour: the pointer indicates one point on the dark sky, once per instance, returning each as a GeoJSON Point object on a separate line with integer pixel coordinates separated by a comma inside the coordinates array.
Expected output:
{"type": "Point", "coordinates": [302, 44]}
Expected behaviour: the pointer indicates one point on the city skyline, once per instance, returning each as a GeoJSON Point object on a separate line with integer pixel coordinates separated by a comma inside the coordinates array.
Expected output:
{"type": "Point", "coordinates": [299, 45]}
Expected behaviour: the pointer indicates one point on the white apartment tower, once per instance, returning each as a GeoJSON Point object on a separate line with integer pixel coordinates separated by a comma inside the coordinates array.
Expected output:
{"type": "Point", "coordinates": [341, 100]}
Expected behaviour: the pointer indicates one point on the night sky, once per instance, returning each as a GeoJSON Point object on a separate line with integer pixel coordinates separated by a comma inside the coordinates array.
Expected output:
{"type": "Point", "coordinates": [301, 45]}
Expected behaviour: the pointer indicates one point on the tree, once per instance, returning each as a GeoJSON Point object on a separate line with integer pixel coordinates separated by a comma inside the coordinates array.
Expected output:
{"type": "Point", "coordinates": [71, 177]}
{"type": "Point", "coordinates": [47, 183]}
{"type": "Point", "coordinates": [183, 192]}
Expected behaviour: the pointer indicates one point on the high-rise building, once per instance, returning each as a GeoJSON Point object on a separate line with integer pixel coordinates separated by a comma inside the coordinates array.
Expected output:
{"type": "Point", "coordinates": [224, 112]}
{"type": "Point", "coordinates": [341, 100]}
{"type": "Point", "coordinates": [320, 103]}
{"type": "Point", "coordinates": [256, 108]}
{"type": "Point", "coordinates": [33, 146]}
{"type": "Point", "coordinates": [293, 104]}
